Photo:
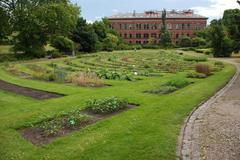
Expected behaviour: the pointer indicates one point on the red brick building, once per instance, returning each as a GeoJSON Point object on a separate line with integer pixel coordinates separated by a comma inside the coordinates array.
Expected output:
{"type": "Point", "coordinates": [140, 28]}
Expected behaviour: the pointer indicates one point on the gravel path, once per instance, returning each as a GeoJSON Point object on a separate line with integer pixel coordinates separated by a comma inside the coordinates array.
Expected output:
{"type": "Point", "coordinates": [212, 132]}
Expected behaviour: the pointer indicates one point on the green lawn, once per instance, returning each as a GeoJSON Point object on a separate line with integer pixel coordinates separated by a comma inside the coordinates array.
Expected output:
{"type": "Point", "coordinates": [147, 132]}
{"type": "Point", "coordinates": [5, 49]}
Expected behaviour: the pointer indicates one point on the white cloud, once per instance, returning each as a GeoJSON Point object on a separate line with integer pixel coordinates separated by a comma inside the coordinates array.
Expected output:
{"type": "Point", "coordinates": [216, 8]}
{"type": "Point", "coordinates": [115, 10]}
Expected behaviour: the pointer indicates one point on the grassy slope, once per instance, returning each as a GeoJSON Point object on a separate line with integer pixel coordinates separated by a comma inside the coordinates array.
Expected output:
{"type": "Point", "coordinates": [5, 49]}
{"type": "Point", "coordinates": [146, 132]}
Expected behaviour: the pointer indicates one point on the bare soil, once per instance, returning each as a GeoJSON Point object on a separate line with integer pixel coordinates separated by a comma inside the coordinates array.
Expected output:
{"type": "Point", "coordinates": [37, 137]}
{"type": "Point", "coordinates": [34, 93]}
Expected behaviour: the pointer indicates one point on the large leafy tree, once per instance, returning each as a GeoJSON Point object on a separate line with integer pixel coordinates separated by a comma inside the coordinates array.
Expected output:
{"type": "Point", "coordinates": [4, 24]}
{"type": "Point", "coordinates": [231, 19]}
{"type": "Point", "coordinates": [100, 29]}
{"type": "Point", "coordinates": [222, 45]}
{"type": "Point", "coordinates": [165, 37]}
{"type": "Point", "coordinates": [111, 42]}
{"type": "Point", "coordinates": [36, 21]}
{"type": "Point", "coordinates": [85, 36]}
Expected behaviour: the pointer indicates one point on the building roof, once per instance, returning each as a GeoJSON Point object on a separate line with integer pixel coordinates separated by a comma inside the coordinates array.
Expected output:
{"type": "Point", "coordinates": [158, 14]}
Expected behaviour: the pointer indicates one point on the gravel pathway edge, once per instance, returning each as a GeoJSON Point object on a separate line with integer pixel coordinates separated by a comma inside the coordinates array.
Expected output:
{"type": "Point", "coordinates": [187, 149]}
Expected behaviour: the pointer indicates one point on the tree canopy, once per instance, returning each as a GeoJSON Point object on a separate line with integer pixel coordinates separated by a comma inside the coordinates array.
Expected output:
{"type": "Point", "coordinates": [165, 37]}
{"type": "Point", "coordinates": [4, 24]}
{"type": "Point", "coordinates": [36, 21]}
{"type": "Point", "coordinates": [231, 19]}
{"type": "Point", "coordinates": [85, 36]}
{"type": "Point", "coordinates": [221, 43]}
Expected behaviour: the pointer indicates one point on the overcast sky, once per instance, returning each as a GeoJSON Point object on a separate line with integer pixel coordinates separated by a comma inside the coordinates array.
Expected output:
{"type": "Point", "coordinates": [96, 9]}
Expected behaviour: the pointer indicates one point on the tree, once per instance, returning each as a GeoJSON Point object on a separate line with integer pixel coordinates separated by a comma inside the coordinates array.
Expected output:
{"type": "Point", "coordinates": [165, 37]}
{"type": "Point", "coordinates": [100, 29]}
{"type": "Point", "coordinates": [222, 45]}
{"type": "Point", "coordinates": [4, 24]}
{"type": "Point", "coordinates": [36, 21]}
{"type": "Point", "coordinates": [63, 44]}
{"type": "Point", "coordinates": [110, 42]}
{"type": "Point", "coordinates": [198, 41]}
{"type": "Point", "coordinates": [185, 41]}
{"type": "Point", "coordinates": [231, 19]}
{"type": "Point", "coordinates": [85, 36]}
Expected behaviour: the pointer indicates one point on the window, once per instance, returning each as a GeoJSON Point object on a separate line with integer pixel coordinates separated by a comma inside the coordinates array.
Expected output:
{"type": "Point", "coordinates": [189, 26]}
{"type": "Point", "coordinates": [130, 42]}
{"type": "Point", "coordinates": [138, 42]}
{"type": "Point", "coordinates": [130, 27]}
{"type": "Point", "coordinates": [130, 35]}
{"type": "Point", "coordinates": [154, 35]}
{"type": "Point", "coordinates": [139, 26]}
{"type": "Point", "coordinates": [169, 26]}
{"type": "Point", "coordinates": [138, 35]}
{"type": "Point", "coordinates": [198, 26]}
{"type": "Point", "coordinates": [177, 26]}
{"type": "Point", "coordinates": [146, 26]}
{"type": "Point", "coordinates": [145, 42]}
{"type": "Point", "coordinates": [146, 35]}
{"type": "Point", "coordinates": [125, 26]}
{"type": "Point", "coordinates": [125, 35]}
{"type": "Point", "coordinates": [177, 35]}
{"type": "Point", "coordinates": [120, 26]}
{"type": "Point", "coordinates": [183, 26]}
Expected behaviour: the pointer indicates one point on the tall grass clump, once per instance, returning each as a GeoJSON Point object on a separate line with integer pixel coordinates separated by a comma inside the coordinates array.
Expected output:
{"type": "Point", "coordinates": [85, 79]}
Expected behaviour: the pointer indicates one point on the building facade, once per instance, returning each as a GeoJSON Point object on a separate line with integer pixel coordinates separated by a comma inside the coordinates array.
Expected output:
{"type": "Point", "coordinates": [141, 28]}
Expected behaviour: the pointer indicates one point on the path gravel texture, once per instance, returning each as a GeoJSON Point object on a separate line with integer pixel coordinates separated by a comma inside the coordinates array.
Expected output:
{"type": "Point", "coordinates": [212, 132]}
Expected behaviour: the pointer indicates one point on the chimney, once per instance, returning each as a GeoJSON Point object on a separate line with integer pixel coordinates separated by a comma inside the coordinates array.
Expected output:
{"type": "Point", "coordinates": [134, 13]}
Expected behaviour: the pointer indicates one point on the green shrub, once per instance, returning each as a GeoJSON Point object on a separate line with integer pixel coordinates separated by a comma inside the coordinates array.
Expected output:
{"type": "Point", "coordinates": [7, 58]}
{"type": "Point", "coordinates": [107, 105]}
{"type": "Point", "coordinates": [220, 64]}
{"type": "Point", "coordinates": [136, 46]}
{"type": "Point", "coordinates": [199, 51]}
{"type": "Point", "coordinates": [185, 41]}
{"type": "Point", "coordinates": [178, 83]}
{"type": "Point", "coordinates": [54, 54]}
{"type": "Point", "coordinates": [196, 59]}
{"type": "Point", "coordinates": [113, 75]}
{"type": "Point", "coordinates": [198, 41]}
{"type": "Point", "coordinates": [150, 46]}
{"type": "Point", "coordinates": [123, 46]}
{"type": "Point", "coordinates": [63, 44]}
{"type": "Point", "coordinates": [171, 86]}
{"type": "Point", "coordinates": [196, 75]}
{"type": "Point", "coordinates": [163, 90]}
{"type": "Point", "coordinates": [61, 122]}
{"type": "Point", "coordinates": [56, 75]}
{"type": "Point", "coordinates": [147, 66]}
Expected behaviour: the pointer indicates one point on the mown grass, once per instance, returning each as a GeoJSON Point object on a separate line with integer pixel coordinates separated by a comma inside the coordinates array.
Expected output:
{"type": "Point", "coordinates": [147, 132]}
{"type": "Point", "coordinates": [5, 49]}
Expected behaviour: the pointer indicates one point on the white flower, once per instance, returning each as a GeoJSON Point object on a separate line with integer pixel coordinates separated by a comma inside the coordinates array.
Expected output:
{"type": "Point", "coordinates": [135, 73]}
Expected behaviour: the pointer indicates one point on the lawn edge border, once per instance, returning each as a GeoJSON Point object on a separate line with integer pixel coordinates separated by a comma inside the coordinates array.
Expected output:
{"type": "Point", "coordinates": [182, 154]}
